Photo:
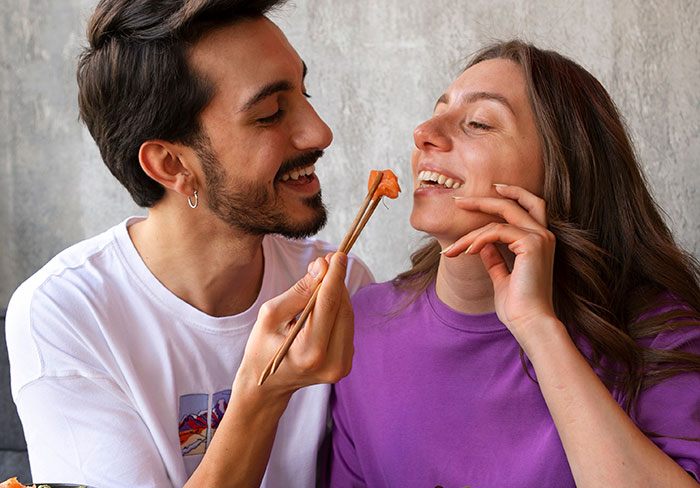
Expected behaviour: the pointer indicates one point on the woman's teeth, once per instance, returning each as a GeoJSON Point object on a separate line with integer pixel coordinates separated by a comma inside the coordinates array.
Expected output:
{"type": "Point", "coordinates": [430, 178]}
{"type": "Point", "coordinates": [295, 174]}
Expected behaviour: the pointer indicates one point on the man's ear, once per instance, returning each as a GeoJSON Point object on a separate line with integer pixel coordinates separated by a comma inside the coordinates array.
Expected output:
{"type": "Point", "coordinates": [163, 161]}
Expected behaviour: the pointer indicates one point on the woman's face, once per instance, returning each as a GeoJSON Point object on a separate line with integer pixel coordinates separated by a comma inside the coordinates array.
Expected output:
{"type": "Point", "coordinates": [482, 132]}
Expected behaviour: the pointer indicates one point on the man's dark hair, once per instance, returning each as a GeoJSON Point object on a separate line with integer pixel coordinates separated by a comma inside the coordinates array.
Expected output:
{"type": "Point", "coordinates": [134, 81]}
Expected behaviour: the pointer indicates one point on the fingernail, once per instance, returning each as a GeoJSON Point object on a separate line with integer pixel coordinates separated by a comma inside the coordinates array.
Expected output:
{"type": "Point", "coordinates": [468, 249]}
{"type": "Point", "coordinates": [447, 249]}
{"type": "Point", "coordinates": [314, 268]}
{"type": "Point", "coordinates": [501, 185]}
{"type": "Point", "coordinates": [458, 198]}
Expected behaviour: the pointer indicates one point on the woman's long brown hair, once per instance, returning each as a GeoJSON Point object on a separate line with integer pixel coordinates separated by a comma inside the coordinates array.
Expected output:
{"type": "Point", "coordinates": [616, 260]}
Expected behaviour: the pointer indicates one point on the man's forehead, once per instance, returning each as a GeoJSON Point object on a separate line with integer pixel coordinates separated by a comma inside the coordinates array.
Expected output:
{"type": "Point", "coordinates": [237, 40]}
{"type": "Point", "coordinates": [248, 54]}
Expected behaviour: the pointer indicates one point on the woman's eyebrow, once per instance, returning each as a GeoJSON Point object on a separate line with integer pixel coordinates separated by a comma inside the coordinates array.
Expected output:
{"type": "Point", "coordinates": [483, 95]}
{"type": "Point", "coordinates": [476, 96]}
{"type": "Point", "coordinates": [443, 99]}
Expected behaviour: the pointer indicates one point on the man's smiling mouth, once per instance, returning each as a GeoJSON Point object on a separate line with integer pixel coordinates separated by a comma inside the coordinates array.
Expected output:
{"type": "Point", "coordinates": [295, 174]}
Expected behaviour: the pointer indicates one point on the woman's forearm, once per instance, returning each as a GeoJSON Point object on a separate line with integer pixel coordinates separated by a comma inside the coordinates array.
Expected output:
{"type": "Point", "coordinates": [602, 444]}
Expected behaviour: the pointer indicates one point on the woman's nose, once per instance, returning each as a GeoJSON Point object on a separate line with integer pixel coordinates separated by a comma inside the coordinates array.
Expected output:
{"type": "Point", "coordinates": [430, 135]}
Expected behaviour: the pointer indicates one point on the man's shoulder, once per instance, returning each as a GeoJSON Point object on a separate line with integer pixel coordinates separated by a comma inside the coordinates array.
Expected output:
{"type": "Point", "coordinates": [80, 266]}
{"type": "Point", "coordinates": [49, 304]}
{"type": "Point", "coordinates": [72, 259]}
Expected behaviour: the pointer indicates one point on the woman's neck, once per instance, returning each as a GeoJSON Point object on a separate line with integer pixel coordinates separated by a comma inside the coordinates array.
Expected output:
{"type": "Point", "coordinates": [464, 285]}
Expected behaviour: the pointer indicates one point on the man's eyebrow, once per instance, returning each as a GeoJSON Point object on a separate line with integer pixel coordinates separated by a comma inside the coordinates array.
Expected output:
{"type": "Point", "coordinates": [266, 91]}
{"type": "Point", "coordinates": [271, 89]}
{"type": "Point", "coordinates": [481, 95]}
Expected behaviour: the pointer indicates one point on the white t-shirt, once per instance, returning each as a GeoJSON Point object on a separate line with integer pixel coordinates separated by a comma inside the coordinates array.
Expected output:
{"type": "Point", "coordinates": [120, 383]}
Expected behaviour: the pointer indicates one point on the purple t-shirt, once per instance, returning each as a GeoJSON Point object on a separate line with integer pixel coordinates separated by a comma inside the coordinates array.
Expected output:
{"type": "Point", "coordinates": [440, 398]}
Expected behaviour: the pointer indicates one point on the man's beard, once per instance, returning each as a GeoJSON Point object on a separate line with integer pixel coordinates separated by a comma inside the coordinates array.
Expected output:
{"type": "Point", "coordinates": [254, 209]}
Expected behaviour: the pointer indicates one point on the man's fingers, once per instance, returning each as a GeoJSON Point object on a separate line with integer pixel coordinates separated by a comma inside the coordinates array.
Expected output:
{"type": "Point", "coordinates": [310, 350]}
{"type": "Point", "coordinates": [289, 304]}
{"type": "Point", "coordinates": [318, 351]}
{"type": "Point", "coordinates": [333, 333]}
{"type": "Point", "coordinates": [329, 299]}
{"type": "Point", "coordinates": [340, 349]}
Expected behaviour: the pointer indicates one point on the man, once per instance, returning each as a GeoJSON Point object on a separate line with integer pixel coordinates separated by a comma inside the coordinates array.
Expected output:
{"type": "Point", "coordinates": [130, 350]}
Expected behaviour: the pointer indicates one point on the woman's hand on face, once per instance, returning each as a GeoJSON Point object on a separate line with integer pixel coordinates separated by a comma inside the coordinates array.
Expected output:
{"type": "Point", "coordinates": [523, 296]}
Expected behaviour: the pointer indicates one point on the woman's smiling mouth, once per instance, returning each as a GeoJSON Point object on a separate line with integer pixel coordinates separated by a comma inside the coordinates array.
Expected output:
{"type": "Point", "coordinates": [433, 179]}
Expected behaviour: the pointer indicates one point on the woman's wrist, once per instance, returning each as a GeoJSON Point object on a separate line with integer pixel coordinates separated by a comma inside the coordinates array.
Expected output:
{"type": "Point", "coordinates": [543, 335]}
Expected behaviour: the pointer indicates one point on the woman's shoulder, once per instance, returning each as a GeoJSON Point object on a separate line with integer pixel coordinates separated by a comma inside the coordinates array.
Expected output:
{"type": "Point", "coordinates": [684, 337]}
{"type": "Point", "coordinates": [374, 294]}
{"type": "Point", "coordinates": [678, 324]}
{"type": "Point", "coordinates": [380, 300]}
{"type": "Point", "coordinates": [380, 293]}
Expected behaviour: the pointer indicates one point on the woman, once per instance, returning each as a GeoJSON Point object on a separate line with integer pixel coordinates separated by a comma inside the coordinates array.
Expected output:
{"type": "Point", "coordinates": [497, 361]}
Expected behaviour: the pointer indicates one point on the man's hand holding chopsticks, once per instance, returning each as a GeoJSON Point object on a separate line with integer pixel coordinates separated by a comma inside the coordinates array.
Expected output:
{"type": "Point", "coordinates": [322, 351]}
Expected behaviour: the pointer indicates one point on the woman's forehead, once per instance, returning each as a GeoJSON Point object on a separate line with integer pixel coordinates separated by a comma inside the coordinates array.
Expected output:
{"type": "Point", "coordinates": [493, 75]}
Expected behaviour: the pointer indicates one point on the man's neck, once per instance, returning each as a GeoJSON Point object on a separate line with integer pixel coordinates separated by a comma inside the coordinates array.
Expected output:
{"type": "Point", "coordinates": [202, 262]}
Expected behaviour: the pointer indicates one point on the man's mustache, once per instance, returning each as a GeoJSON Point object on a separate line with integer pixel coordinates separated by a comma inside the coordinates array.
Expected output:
{"type": "Point", "coordinates": [300, 161]}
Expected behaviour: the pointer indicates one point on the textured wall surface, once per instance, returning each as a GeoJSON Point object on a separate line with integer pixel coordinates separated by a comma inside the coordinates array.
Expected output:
{"type": "Point", "coordinates": [375, 71]}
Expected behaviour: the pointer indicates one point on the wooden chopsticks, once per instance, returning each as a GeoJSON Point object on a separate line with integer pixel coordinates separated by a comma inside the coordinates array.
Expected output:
{"type": "Point", "coordinates": [353, 233]}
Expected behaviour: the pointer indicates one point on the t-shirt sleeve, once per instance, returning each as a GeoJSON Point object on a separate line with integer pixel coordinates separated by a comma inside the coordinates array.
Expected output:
{"type": "Point", "coordinates": [343, 470]}
{"type": "Point", "coordinates": [671, 409]}
{"type": "Point", "coordinates": [83, 430]}
{"type": "Point", "coordinates": [80, 426]}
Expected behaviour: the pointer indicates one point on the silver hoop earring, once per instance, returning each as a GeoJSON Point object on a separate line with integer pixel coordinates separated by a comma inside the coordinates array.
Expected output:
{"type": "Point", "coordinates": [196, 200]}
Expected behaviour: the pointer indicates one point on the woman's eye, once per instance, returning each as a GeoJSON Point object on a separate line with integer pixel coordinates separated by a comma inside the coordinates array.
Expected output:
{"type": "Point", "coordinates": [306, 94]}
{"type": "Point", "coordinates": [272, 118]}
{"type": "Point", "coordinates": [478, 125]}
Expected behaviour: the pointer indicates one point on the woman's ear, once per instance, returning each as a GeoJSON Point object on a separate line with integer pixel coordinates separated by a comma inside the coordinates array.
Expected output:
{"type": "Point", "coordinates": [163, 162]}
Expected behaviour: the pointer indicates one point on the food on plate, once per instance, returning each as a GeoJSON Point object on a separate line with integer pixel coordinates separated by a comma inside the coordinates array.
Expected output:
{"type": "Point", "coordinates": [13, 483]}
{"type": "Point", "coordinates": [388, 187]}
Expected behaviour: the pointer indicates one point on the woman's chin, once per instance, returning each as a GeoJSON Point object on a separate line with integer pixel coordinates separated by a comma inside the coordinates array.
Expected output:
{"type": "Point", "coordinates": [440, 233]}
{"type": "Point", "coordinates": [422, 224]}
{"type": "Point", "coordinates": [448, 226]}
{"type": "Point", "coordinates": [443, 229]}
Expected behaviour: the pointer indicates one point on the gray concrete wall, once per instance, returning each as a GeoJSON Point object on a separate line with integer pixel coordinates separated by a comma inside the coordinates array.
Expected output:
{"type": "Point", "coordinates": [376, 69]}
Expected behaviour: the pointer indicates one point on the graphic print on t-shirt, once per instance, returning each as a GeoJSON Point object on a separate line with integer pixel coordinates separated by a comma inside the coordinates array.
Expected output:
{"type": "Point", "coordinates": [219, 402]}
{"type": "Point", "coordinates": [200, 414]}
{"type": "Point", "coordinates": [194, 411]}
